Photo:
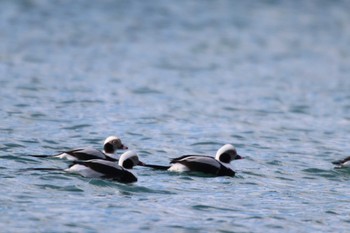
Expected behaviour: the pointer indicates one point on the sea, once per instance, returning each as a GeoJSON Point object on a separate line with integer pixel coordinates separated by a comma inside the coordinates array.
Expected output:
{"type": "Point", "coordinates": [171, 78]}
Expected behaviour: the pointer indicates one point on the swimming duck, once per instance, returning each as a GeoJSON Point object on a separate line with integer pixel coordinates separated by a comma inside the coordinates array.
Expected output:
{"type": "Point", "coordinates": [218, 166]}
{"type": "Point", "coordinates": [99, 168]}
{"type": "Point", "coordinates": [342, 163]}
{"type": "Point", "coordinates": [110, 146]}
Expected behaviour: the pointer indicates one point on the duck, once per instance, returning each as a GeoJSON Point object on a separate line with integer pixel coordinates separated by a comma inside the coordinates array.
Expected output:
{"type": "Point", "coordinates": [110, 146]}
{"type": "Point", "coordinates": [214, 166]}
{"type": "Point", "coordinates": [344, 163]}
{"type": "Point", "coordinates": [100, 168]}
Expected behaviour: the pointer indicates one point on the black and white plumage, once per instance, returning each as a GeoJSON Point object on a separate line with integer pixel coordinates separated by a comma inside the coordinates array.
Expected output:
{"type": "Point", "coordinates": [218, 166]}
{"type": "Point", "coordinates": [99, 168]}
{"type": "Point", "coordinates": [110, 146]}
{"type": "Point", "coordinates": [344, 163]}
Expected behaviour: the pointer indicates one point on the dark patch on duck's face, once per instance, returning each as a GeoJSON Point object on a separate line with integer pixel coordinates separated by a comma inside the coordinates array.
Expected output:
{"type": "Point", "coordinates": [225, 157]}
{"type": "Point", "coordinates": [108, 148]}
{"type": "Point", "coordinates": [128, 164]}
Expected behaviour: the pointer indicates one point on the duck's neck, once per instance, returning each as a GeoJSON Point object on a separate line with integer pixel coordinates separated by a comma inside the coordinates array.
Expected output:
{"type": "Point", "coordinates": [227, 165]}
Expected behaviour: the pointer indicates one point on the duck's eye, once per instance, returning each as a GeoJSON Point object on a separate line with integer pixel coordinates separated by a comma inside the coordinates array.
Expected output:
{"type": "Point", "coordinates": [115, 142]}
{"type": "Point", "coordinates": [225, 157]}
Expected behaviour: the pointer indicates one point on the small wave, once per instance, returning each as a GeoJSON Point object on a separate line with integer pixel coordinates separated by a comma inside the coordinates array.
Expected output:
{"type": "Point", "coordinates": [13, 145]}
{"type": "Point", "coordinates": [208, 207]}
{"type": "Point", "coordinates": [205, 143]}
{"type": "Point", "coordinates": [322, 172]}
{"type": "Point", "coordinates": [74, 127]}
{"type": "Point", "coordinates": [21, 158]}
{"type": "Point", "coordinates": [70, 188]}
{"type": "Point", "coordinates": [146, 90]}
{"type": "Point", "coordinates": [128, 188]}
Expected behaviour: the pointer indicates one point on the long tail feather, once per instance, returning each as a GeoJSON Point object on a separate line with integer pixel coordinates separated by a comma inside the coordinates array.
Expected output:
{"type": "Point", "coordinates": [42, 169]}
{"type": "Point", "coordinates": [157, 167]}
{"type": "Point", "coordinates": [337, 162]}
{"type": "Point", "coordinates": [41, 156]}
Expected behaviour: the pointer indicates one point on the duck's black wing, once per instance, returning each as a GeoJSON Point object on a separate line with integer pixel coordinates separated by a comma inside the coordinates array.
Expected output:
{"type": "Point", "coordinates": [110, 170]}
{"type": "Point", "coordinates": [80, 154]}
{"type": "Point", "coordinates": [199, 163]}
{"type": "Point", "coordinates": [86, 154]}
{"type": "Point", "coordinates": [157, 167]}
{"type": "Point", "coordinates": [204, 164]}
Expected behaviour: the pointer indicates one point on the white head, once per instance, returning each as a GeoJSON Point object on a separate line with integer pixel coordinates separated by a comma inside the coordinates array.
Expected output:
{"type": "Point", "coordinates": [113, 143]}
{"type": "Point", "coordinates": [227, 153]}
{"type": "Point", "coordinates": [129, 159]}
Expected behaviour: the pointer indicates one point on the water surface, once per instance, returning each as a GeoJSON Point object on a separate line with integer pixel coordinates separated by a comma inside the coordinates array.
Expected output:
{"type": "Point", "coordinates": [171, 78]}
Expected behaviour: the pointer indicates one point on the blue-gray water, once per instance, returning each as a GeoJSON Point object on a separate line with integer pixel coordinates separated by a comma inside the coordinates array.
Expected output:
{"type": "Point", "coordinates": [171, 78]}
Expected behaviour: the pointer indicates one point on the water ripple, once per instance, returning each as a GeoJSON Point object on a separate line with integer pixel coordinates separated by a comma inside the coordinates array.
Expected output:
{"type": "Point", "coordinates": [169, 83]}
{"type": "Point", "coordinates": [60, 188]}
{"type": "Point", "coordinates": [75, 127]}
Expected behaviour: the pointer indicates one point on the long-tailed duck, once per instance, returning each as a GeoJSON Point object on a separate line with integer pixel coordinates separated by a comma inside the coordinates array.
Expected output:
{"type": "Point", "coordinates": [218, 166]}
{"type": "Point", "coordinates": [96, 168]}
{"type": "Point", "coordinates": [342, 163]}
{"type": "Point", "coordinates": [110, 146]}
